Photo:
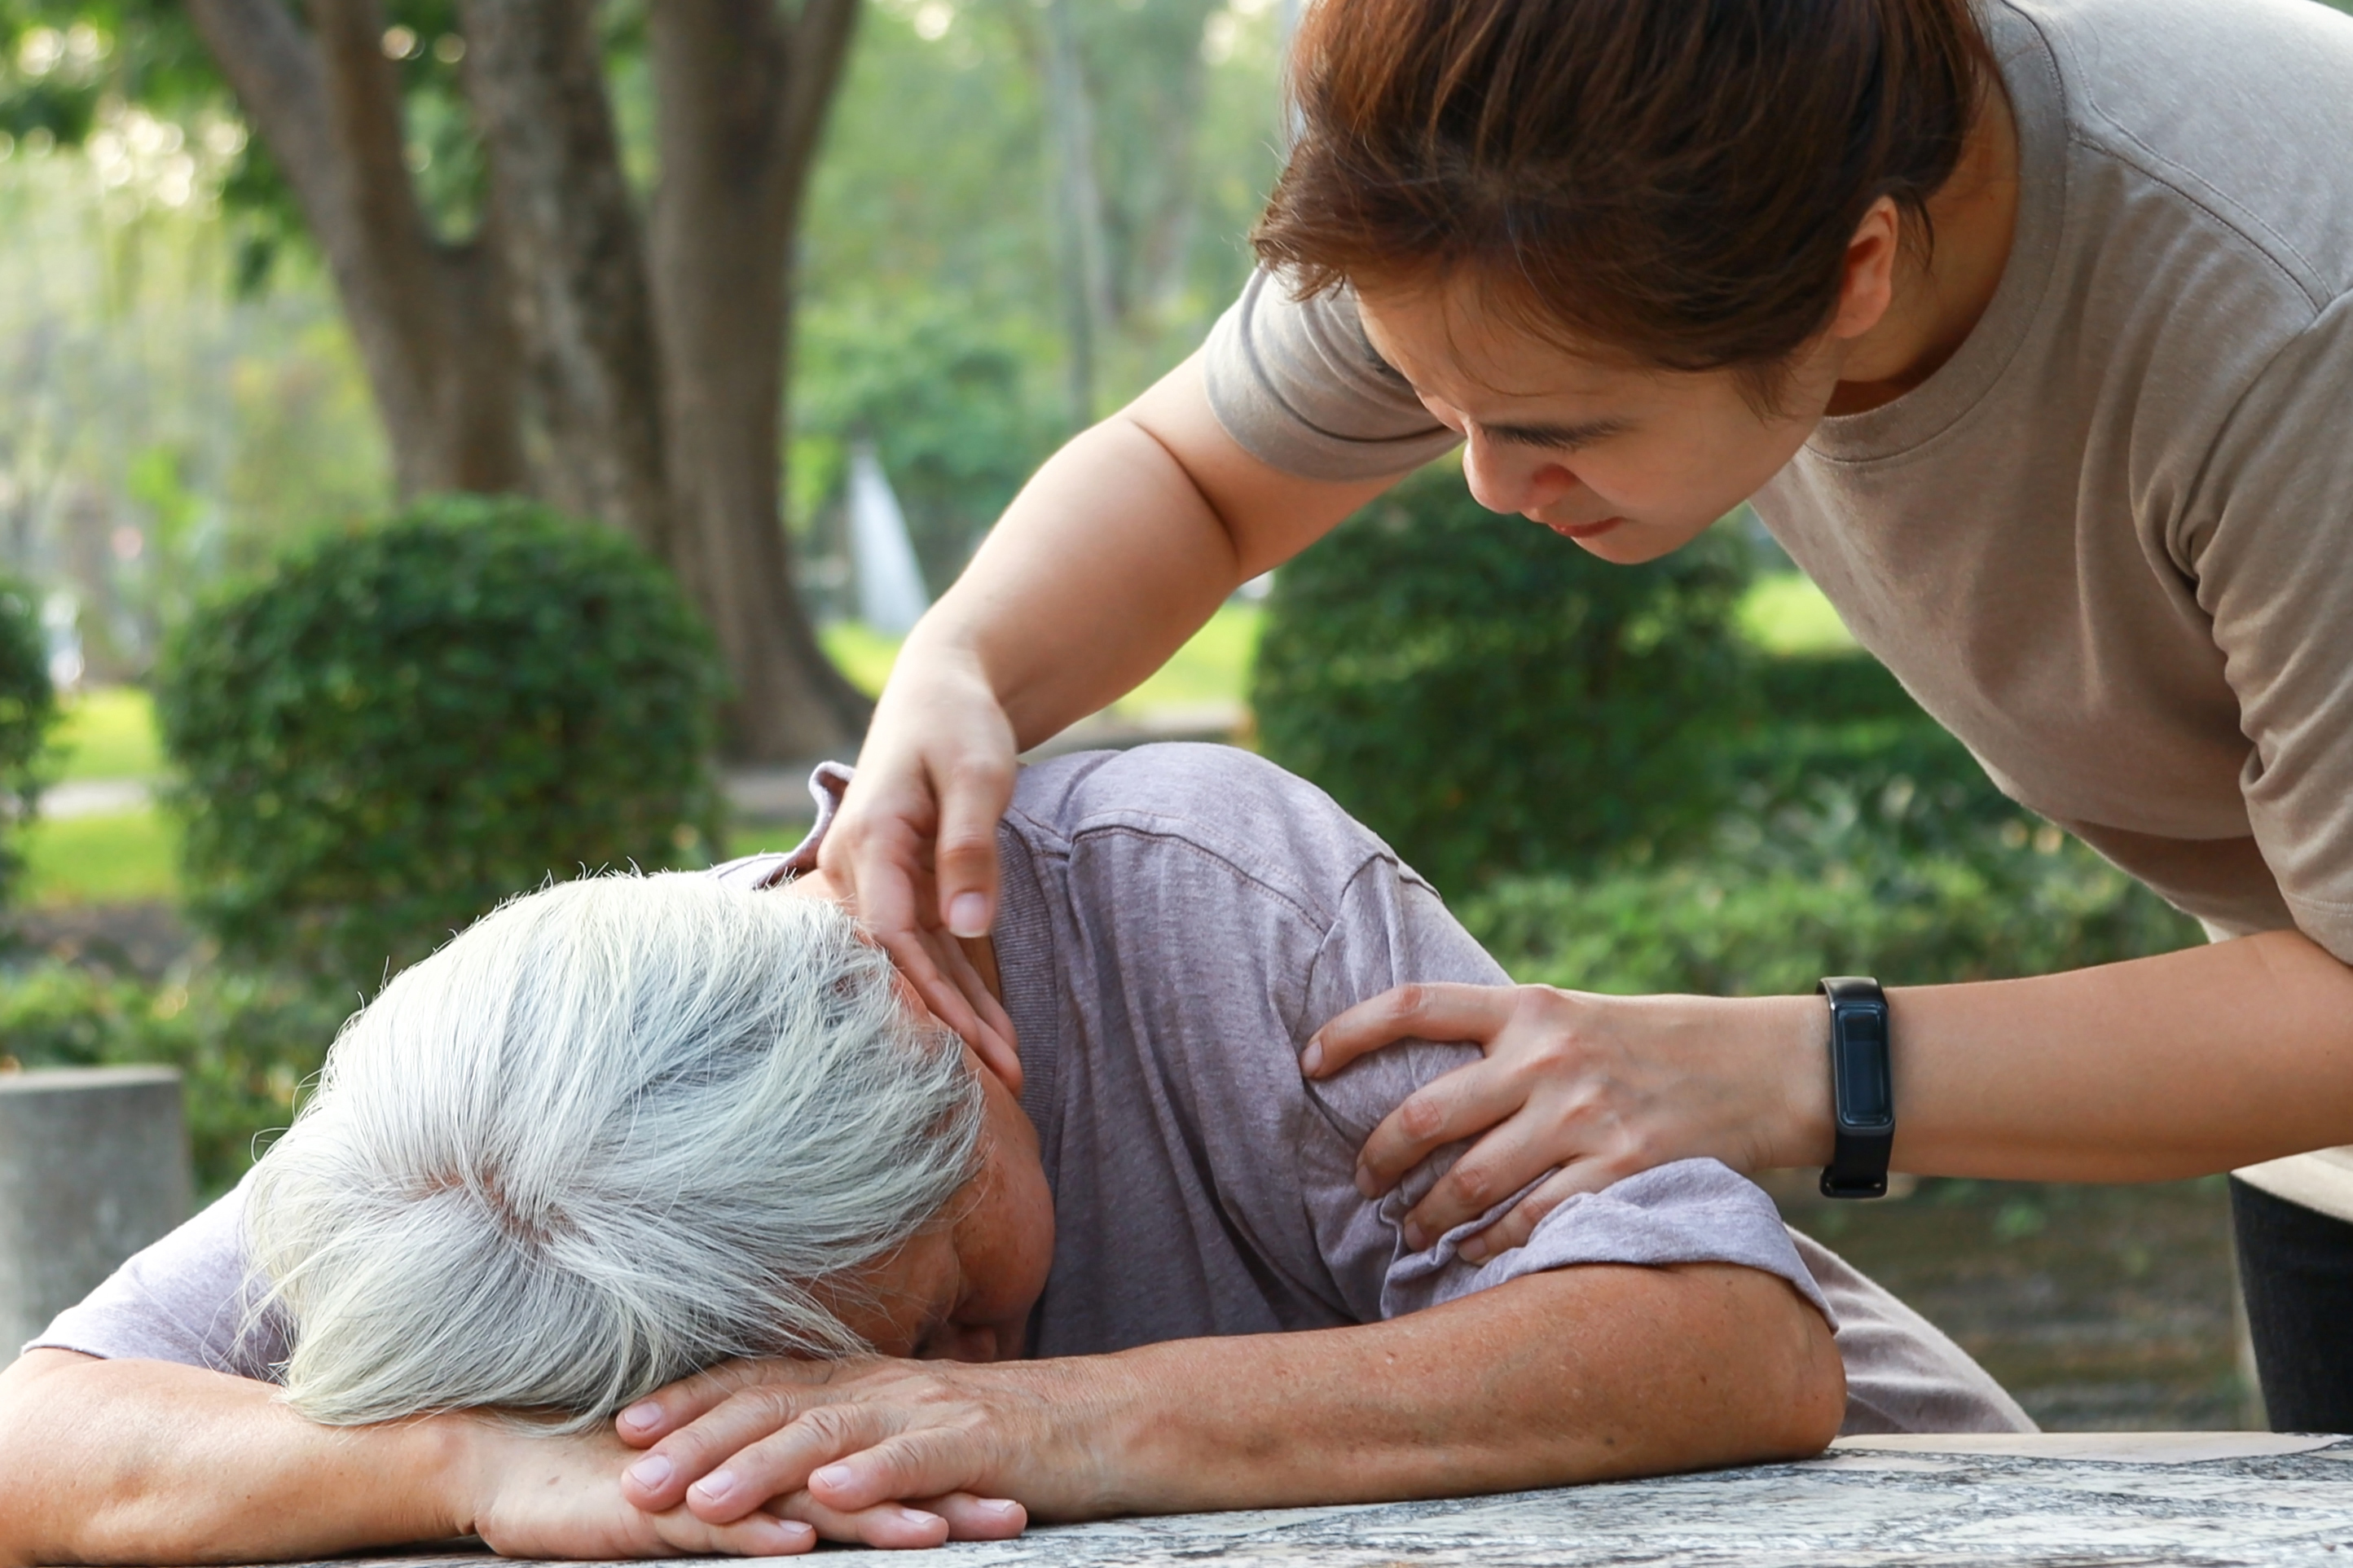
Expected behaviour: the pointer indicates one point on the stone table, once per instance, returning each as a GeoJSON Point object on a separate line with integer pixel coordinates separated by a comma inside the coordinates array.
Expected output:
{"type": "Point", "coordinates": [2071, 1499]}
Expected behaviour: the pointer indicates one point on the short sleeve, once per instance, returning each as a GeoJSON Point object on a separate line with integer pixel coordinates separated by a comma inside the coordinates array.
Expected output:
{"type": "Point", "coordinates": [1390, 928]}
{"type": "Point", "coordinates": [2274, 563]}
{"type": "Point", "coordinates": [191, 1298]}
{"type": "Point", "coordinates": [1298, 386]}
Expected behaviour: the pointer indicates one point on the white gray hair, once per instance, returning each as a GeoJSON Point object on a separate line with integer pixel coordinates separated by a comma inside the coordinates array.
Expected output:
{"type": "Point", "coordinates": [613, 1132]}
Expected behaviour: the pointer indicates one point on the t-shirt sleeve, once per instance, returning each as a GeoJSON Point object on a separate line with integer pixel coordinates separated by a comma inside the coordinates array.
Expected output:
{"type": "Point", "coordinates": [1296, 384]}
{"type": "Point", "coordinates": [2272, 554]}
{"type": "Point", "coordinates": [1392, 929]}
{"type": "Point", "coordinates": [191, 1298]}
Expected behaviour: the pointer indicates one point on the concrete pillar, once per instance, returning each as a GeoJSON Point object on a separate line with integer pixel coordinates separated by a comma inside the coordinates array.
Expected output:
{"type": "Point", "coordinates": [93, 1166]}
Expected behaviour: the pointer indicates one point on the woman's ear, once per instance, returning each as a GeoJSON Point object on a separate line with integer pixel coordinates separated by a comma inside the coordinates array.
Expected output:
{"type": "Point", "coordinates": [1868, 285]}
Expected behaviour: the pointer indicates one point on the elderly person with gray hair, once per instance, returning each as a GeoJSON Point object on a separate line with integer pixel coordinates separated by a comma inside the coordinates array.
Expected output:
{"type": "Point", "coordinates": [656, 1215]}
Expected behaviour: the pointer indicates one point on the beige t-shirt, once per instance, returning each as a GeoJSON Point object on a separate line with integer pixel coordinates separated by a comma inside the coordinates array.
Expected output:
{"type": "Point", "coordinates": [2109, 544]}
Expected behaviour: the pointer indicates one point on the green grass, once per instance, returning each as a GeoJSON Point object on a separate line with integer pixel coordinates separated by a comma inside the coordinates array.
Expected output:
{"type": "Point", "coordinates": [108, 732]}
{"type": "Point", "coordinates": [113, 859]}
{"type": "Point", "coordinates": [860, 652]}
{"type": "Point", "coordinates": [1785, 614]}
{"type": "Point", "coordinates": [1214, 668]}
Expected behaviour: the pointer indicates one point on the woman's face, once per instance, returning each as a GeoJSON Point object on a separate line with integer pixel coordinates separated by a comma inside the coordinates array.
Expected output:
{"type": "Point", "coordinates": [1630, 463]}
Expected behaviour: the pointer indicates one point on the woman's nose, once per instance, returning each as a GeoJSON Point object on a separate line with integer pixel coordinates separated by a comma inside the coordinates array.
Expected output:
{"type": "Point", "coordinates": [1507, 481]}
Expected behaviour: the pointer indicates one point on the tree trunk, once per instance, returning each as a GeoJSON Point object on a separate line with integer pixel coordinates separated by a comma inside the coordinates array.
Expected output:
{"type": "Point", "coordinates": [430, 319]}
{"type": "Point", "coordinates": [742, 94]}
{"type": "Point", "coordinates": [657, 366]}
{"type": "Point", "coordinates": [535, 79]}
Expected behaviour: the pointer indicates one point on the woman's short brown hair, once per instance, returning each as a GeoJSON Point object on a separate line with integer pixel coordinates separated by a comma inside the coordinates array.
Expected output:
{"type": "Point", "coordinates": [1675, 180]}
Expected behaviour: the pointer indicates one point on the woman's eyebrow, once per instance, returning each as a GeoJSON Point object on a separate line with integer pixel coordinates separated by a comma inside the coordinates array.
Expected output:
{"type": "Point", "coordinates": [1577, 434]}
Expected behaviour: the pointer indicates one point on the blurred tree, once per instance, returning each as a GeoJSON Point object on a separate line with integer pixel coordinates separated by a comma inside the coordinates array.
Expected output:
{"type": "Point", "coordinates": [521, 327]}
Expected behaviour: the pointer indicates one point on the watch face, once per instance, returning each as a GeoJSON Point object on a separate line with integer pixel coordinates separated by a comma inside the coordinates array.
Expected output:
{"type": "Point", "coordinates": [1866, 1100]}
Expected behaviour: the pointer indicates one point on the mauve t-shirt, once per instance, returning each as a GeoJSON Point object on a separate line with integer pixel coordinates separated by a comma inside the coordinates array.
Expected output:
{"type": "Point", "coordinates": [1177, 921]}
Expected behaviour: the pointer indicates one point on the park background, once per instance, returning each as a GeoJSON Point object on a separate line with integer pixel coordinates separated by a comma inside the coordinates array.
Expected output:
{"type": "Point", "coordinates": [1018, 214]}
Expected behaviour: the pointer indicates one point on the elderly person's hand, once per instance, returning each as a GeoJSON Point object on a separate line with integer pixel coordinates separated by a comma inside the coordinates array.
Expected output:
{"type": "Point", "coordinates": [539, 1497]}
{"type": "Point", "coordinates": [1590, 1089]}
{"type": "Point", "coordinates": [876, 1446]}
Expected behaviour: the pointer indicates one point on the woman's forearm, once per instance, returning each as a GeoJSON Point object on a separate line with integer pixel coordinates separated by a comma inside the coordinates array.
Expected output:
{"type": "Point", "coordinates": [1116, 551]}
{"type": "Point", "coordinates": [1573, 1375]}
{"type": "Point", "coordinates": [2195, 1061]}
{"type": "Point", "coordinates": [134, 1461]}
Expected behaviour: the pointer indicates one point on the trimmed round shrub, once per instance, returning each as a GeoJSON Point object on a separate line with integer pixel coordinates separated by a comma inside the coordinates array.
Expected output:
{"type": "Point", "coordinates": [1491, 699]}
{"type": "Point", "coordinates": [28, 708]}
{"type": "Point", "coordinates": [398, 725]}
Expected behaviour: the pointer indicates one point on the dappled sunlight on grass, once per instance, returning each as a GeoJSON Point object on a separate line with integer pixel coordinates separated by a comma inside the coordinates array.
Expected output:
{"type": "Point", "coordinates": [1785, 614]}
{"type": "Point", "coordinates": [1212, 669]}
{"type": "Point", "coordinates": [120, 857]}
{"type": "Point", "coordinates": [108, 733]}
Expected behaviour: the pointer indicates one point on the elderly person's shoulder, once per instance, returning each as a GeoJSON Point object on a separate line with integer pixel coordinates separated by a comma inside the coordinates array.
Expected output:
{"type": "Point", "coordinates": [1220, 800]}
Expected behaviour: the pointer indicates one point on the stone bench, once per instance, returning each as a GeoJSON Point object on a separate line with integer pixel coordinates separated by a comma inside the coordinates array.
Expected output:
{"type": "Point", "coordinates": [2059, 1499]}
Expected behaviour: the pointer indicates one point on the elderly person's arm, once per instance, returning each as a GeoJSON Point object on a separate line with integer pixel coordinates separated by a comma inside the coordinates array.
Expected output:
{"type": "Point", "coordinates": [149, 1461]}
{"type": "Point", "coordinates": [1570, 1375]}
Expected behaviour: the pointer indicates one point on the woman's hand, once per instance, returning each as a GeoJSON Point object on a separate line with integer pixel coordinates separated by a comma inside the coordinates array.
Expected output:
{"type": "Point", "coordinates": [1591, 1088]}
{"type": "Point", "coordinates": [933, 1446]}
{"type": "Point", "coordinates": [915, 845]}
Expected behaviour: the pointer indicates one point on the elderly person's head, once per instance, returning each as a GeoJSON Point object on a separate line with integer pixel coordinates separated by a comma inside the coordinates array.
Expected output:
{"type": "Point", "coordinates": [630, 1126]}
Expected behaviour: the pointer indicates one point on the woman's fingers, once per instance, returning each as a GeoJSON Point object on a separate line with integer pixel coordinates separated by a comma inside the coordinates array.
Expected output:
{"type": "Point", "coordinates": [992, 1037]}
{"type": "Point", "coordinates": [1432, 1011]}
{"type": "Point", "coordinates": [973, 790]}
{"type": "Point", "coordinates": [1447, 1109]}
{"type": "Point", "coordinates": [1514, 1228]}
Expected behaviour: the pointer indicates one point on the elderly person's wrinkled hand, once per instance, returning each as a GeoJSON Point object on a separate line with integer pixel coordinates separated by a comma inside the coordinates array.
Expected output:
{"type": "Point", "coordinates": [880, 1446]}
{"type": "Point", "coordinates": [533, 1495]}
{"type": "Point", "coordinates": [540, 1497]}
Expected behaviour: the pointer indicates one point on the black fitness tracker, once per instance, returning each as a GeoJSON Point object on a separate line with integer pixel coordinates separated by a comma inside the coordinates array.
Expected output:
{"type": "Point", "coordinates": [1862, 1089]}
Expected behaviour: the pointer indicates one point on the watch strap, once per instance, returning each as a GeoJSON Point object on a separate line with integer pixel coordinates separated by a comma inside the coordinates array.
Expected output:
{"type": "Point", "coordinates": [1862, 1099]}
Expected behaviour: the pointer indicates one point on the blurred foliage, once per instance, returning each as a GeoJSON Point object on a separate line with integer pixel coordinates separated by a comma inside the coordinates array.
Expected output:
{"type": "Point", "coordinates": [1491, 699]}
{"type": "Point", "coordinates": [28, 710]}
{"type": "Point", "coordinates": [245, 1044]}
{"type": "Point", "coordinates": [1830, 888]}
{"type": "Point", "coordinates": [950, 403]}
{"type": "Point", "coordinates": [399, 725]}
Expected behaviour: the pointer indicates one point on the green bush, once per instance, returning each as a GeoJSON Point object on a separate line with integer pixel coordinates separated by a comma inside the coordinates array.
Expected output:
{"type": "Point", "coordinates": [1492, 699]}
{"type": "Point", "coordinates": [28, 708]}
{"type": "Point", "coordinates": [244, 1044]}
{"type": "Point", "coordinates": [399, 725]}
{"type": "Point", "coordinates": [1839, 887]}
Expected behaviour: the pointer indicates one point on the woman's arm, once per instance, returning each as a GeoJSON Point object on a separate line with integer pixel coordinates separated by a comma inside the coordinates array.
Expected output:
{"type": "Point", "coordinates": [144, 1461]}
{"type": "Point", "coordinates": [1117, 550]}
{"type": "Point", "coordinates": [1577, 1374]}
{"type": "Point", "coordinates": [2159, 1068]}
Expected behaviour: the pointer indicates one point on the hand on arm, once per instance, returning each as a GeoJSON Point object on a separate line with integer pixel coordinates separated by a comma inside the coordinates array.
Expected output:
{"type": "Point", "coordinates": [1576, 1375]}
{"type": "Point", "coordinates": [1116, 551]}
{"type": "Point", "coordinates": [2160, 1067]}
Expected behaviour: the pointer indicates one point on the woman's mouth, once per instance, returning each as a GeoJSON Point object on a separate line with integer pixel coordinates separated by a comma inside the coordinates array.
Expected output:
{"type": "Point", "coordinates": [1584, 530]}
